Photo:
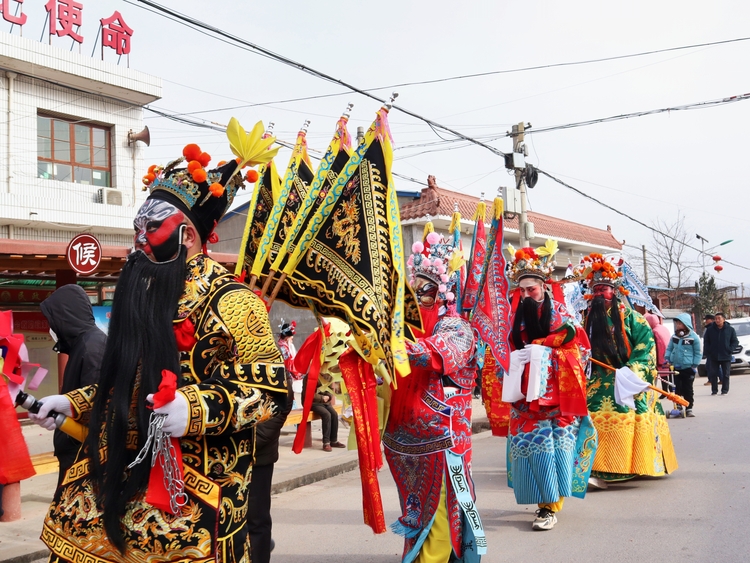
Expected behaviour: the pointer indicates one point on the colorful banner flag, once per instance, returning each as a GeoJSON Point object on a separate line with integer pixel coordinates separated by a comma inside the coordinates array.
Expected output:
{"type": "Point", "coordinates": [458, 254]}
{"type": "Point", "coordinates": [258, 211]}
{"type": "Point", "coordinates": [333, 162]}
{"type": "Point", "coordinates": [350, 258]}
{"type": "Point", "coordinates": [491, 316]}
{"type": "Point", "coordinates": [296, 182]}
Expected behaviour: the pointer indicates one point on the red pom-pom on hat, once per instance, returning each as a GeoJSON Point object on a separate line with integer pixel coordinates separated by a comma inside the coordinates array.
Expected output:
{"type": "Point", "coordinates": [252, 176]}
{"type": "Point", "coordinates": [191, 151]}
{"type": "Point", "coordinates": [204, 158]}
{"type": "Point", "coordinates": [199, 175]}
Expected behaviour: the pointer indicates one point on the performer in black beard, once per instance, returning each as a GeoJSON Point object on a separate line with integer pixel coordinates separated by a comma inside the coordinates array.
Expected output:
{"type": "Point", "coordinates": [140, 335]}
{"type": "Point", "coordinates": [175, 310]}
{"type": "Point", "coordinates": [607, 345]}
{"type": "Point", "coordinates": [529, 319]}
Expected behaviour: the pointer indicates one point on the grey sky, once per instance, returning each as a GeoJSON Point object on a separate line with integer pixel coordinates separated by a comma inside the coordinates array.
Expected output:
{"type": "Point", "coordinates": [691, 162]}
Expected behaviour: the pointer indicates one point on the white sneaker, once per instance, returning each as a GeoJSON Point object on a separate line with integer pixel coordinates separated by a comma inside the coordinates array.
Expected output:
{"type": "Point", "coordinates": [545, 520]}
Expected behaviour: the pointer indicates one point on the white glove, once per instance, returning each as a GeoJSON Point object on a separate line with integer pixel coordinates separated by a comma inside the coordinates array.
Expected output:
{"type": "Point", "coordinates": [58, 403]}
{"type": "Point", "coordinates": [177, 415]}
{"type": "Point", "coordinates": [524, 354]}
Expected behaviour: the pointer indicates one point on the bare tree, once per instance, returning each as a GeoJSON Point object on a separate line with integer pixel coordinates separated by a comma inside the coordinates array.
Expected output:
{"type": "Point", "coordinates": [667, 260]}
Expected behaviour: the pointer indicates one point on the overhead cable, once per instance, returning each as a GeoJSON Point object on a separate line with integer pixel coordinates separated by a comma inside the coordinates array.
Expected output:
{"type": "Point", "coordinates": [309, 70]}
{"type": "Point", "coordinates": [631, 218]}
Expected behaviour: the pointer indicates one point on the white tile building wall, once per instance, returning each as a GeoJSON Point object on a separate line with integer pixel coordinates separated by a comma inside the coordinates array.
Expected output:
{"type": "Point", "coordinates": [68, 84]}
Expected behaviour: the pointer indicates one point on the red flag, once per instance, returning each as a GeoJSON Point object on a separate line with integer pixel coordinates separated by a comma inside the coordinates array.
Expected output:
{"type": "Point", "coordinates": [477, 258]}
{"type": "Point", "coordinates": [491, 317]}
{"type": "Point", "coordinates": [307, 361]}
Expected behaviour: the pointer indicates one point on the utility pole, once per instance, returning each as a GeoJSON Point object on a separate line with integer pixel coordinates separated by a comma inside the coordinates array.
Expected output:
{"type": "Point", "coordinates": [519, 167]}
{"type": "Point", "coordinates": [645, 265]}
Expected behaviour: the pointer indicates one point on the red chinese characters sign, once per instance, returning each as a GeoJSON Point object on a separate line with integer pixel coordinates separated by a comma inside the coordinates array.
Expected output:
{"type": "Point", "coordinates": [23, 296]}
{"type": "Point", "coordinates": [84, 254]}
{"type": "Point", "coordinates": [116, 34]}
{"type": "Point", "coordinates": [13, 16]}
{"type": "Point", "coordinates": [66, 20]}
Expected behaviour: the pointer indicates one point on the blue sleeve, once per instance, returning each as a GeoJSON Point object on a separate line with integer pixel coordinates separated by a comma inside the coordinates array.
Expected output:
{"type": "Point", "coordinates": [668, 353]}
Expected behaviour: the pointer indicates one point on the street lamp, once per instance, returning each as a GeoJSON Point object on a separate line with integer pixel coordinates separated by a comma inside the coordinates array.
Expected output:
{"type": "Point", "coordinates": [703, 250]}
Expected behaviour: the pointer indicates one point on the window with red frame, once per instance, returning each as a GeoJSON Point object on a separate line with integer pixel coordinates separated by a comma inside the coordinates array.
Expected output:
{"type": "Point", "coordinates": [73, 151]}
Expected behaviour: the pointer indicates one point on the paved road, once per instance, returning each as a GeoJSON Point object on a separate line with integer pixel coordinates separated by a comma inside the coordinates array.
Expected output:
{"type": "Point", "coordinates": [697, 514]}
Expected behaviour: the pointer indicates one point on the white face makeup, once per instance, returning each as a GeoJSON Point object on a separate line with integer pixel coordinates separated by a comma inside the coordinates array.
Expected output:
{"type": "Point", "coordinates": [532, 287]}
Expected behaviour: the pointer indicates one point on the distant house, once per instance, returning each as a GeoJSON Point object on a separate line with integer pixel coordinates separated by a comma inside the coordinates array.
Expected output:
{"type": "Point", "coordinates": [437, 204]}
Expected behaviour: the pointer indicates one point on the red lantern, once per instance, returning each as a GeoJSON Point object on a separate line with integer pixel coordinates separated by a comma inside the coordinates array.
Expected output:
{"type": "Point", "coordinates": [717, 258]}
{"type": "Point", "coordinates": [718, 267]}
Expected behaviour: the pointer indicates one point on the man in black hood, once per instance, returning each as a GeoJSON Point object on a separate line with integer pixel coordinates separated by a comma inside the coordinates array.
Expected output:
{"type": "Point", "coordinates": [71, 320]}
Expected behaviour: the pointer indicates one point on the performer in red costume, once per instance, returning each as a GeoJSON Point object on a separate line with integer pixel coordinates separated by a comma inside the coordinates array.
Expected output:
{"type": "Point", "coordinates": [551, 440]}
{"type": "Point", "coordinates": [428, 434]}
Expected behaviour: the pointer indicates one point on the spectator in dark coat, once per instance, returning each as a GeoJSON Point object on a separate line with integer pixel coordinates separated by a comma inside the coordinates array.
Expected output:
{"type": "Point", "coordinates": [71, 320]}
{"type": "Point", "coordinates": [719, 340]}
{"type": "Point", "coordinates": [259, 501]}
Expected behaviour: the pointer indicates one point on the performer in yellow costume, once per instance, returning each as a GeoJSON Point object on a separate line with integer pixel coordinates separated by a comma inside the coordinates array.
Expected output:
{"type": "Point", "coordinates": [631, 442]}
{"type": "Point", "coordinates": [175, 310]}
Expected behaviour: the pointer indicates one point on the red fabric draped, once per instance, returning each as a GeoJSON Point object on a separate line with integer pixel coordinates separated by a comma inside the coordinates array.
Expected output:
{"type": "Point", "coordinates": [15, 462]}
{"type": "Point", "coordinates": [360, 382]}
{"type": "Point", "coordinates": [307, 361]}
{"type": "Point", "coordinates": [498, 412]}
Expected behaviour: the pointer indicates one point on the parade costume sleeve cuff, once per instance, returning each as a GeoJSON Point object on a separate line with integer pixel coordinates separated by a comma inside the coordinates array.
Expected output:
{"type": "Point", "coordinates": [81, 402]}
{"type": "Point", "coordinates": [197, 410]}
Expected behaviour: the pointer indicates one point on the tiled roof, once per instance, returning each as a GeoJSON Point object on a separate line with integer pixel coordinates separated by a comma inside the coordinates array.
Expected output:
{"type": "Point", "coordinates": [435, 202]}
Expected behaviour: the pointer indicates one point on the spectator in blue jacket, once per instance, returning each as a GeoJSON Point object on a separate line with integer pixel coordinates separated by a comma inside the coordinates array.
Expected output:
{"type": "Point", "coordinates": [684, 353]}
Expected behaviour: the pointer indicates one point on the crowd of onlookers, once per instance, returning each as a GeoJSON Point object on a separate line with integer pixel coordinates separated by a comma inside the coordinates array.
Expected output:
{"type": "Point", "coordinates": [679, 354]}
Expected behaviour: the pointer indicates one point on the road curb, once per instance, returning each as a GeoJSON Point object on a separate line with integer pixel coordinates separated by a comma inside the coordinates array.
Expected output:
{"type": "Point", "coordinates": [314, 477]}
{"type": "Point", "coordinates": [27, 557]}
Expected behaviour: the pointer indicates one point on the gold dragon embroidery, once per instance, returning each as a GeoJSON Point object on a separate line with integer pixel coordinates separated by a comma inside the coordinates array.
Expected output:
{"type": "Point", "coordinates": [346, 227]}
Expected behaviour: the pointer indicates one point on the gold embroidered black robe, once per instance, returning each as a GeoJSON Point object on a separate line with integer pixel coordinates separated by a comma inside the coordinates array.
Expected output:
{"type": "Point", "coordinates": [230, 378]}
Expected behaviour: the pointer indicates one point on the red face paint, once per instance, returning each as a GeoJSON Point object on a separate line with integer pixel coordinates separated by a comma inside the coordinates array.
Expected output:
{"type": "Point", "coordinates": [606, 291]}
{"type": "Point", "coordinates": [157, 229]}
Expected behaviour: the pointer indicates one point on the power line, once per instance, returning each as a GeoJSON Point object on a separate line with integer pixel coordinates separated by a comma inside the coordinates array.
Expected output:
{"type": "Point", "coordinates": [570, 63]}
{"type": "Point", "coordinates": [449, 78]}
{"type": "Point", "coordinates": [309, 70]}
{"type": "Point", "coordinates": [685, 107]}
{"type": "Point", "coordinates": [639, 222]}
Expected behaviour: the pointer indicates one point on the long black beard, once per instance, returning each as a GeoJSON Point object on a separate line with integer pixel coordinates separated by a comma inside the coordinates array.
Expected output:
{"type": "Point", "coordinates": [528, 317]}
{"type": "Point", "coordinates": [606, 346]}
{"type": "Point", "coordinates": [140, 333]}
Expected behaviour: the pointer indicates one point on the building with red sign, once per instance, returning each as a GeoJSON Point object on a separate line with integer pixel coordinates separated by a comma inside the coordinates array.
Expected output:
{"type": "Point", "coordinates": [67, 169]}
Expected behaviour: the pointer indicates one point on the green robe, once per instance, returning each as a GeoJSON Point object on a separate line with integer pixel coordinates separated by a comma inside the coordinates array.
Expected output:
{"type": "Point", "coordinates": [630, 442]}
